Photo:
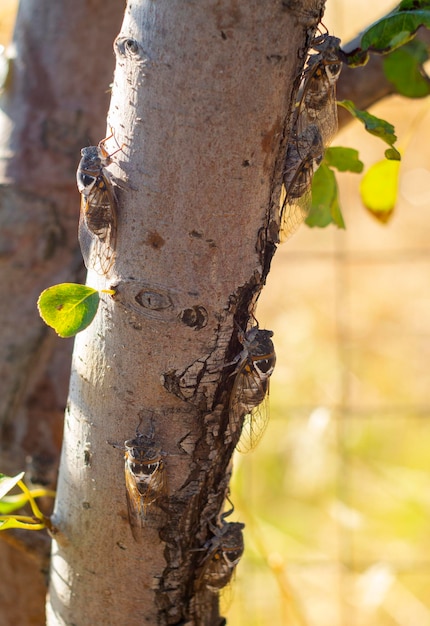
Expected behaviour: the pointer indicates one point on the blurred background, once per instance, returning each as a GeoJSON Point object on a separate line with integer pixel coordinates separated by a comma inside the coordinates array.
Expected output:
{"type": "Point", "coordinates": [336, 497]}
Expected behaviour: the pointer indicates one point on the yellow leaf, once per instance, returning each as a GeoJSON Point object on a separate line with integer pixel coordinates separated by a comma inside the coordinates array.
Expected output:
{"type": "Point", "coordinates": [379, 188]}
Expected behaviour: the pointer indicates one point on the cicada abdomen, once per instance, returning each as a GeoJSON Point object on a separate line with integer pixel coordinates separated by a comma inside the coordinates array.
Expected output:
{"type": "Point", "coordinates": [145, 480]}
{"type": "Point", "coordinates": [98, 215]}
{"type": "Point", "coordinates": [249, 406]}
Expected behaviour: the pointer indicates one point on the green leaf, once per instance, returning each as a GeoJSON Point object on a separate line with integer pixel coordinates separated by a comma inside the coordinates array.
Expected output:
{"type": "Point", "coordinates": [404, 69]}
{"type": "Point", "coordinates": [379, 188]}
{"type": "Point", "coordinates": [375, 126]}
{"type": "Point", "coordinates": [325, 207]}
{"type": "Point", "coordinates": [392, 154]}
{"type": "Point", "coordinates": [8, 504]}
{"type": "Point", "coordinates": [7, 483]}
{"type": "Point", "coordinates": [343, 159]}
{"type": "Point", "coordinates": [394, 30]}
{"type": "Point", "coordinates": [68, 308]}
{"type": "Point", "coordinates": [411, 5]}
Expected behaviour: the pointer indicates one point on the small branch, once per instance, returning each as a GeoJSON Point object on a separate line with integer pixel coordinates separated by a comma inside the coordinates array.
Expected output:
{"type": "Point", "coordinates": [366, 85]}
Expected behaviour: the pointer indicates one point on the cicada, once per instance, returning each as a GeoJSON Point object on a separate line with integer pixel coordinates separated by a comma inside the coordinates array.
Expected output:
{"type": "Point", "coordinates": [222, 553]}
{"type": "Point", "coordinates": [318, 98]}
{"type": "Point", "coordinates": [249, 405]}
{"type": "Point", "coordinates": [303, 158]}
{"type": "Point", "coordinates": [98, 216]}
{"type": "Point", "coordinates": [145, 479]}
{"type": "Point", "coordinates": [315, 125]}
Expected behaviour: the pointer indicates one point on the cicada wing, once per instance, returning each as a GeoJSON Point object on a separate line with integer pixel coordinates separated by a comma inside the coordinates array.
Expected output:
{"type": "Point", "coordinates": [296, 196]}
{"type": "Point", "coordinates": [86, 238]}
{"type": "Point", "coordinates": [103, 257]}
{"type": "Point", "coordinates": [215, 577]}
{"type": "Point", "coordinates": [98, 227]}
{"type": "Point", "coordinates": [237, 410]}
{"type": "Point", "coordinates": [145, 495]}
{"type": "Point", "coordinates": [254, 424]}
{"type": "Point", "coordinates": [304, 155]}
{"type": "Point", "coordinates": [294, 211]}
{"type": "Point", "coordinates": [227, 593]}
{"type": "Point", "coordinates": [248, 408]}
{"type": "Point", "coordinates": [320, 108]}
{"type": "Point", "coordinates": [155, 489]}
{"type": "Point", "coordinates": [135, 506]}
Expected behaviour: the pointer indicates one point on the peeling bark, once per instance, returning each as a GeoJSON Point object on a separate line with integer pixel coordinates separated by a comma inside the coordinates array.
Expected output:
{"type": "Point", "coordinates": [201, 95]}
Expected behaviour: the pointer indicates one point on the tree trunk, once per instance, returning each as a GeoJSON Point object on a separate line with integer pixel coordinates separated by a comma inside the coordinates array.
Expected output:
{"type": "Point", "coordinates": [201, 95]}
{"type": "Point", "coordinates": [53, 102]}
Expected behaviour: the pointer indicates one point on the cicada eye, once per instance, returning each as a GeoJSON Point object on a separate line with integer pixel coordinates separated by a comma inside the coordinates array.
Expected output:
{"type": "Point", "coordinates": [144, 469]}
{"type": "Point", "coordinates": [232, 556]}
{"type": "Point", "coordinates": [334, 69]}
{"type": "Point", "coordinates": [134, 468]}
{"type": "Point", "coordinates": [85, 182]}
{"type": "Point", "coordinates": [264, 365]}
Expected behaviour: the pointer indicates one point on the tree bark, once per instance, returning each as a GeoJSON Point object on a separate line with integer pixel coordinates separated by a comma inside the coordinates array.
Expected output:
{"type": "Point", "coordinates": [200, 105]}
{"type": "Point", "coordinates": [53, 102]}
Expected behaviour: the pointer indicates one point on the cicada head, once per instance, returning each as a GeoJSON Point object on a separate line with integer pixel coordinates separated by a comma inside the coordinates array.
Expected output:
{"type": "Point", "coordinates": [89, 169]}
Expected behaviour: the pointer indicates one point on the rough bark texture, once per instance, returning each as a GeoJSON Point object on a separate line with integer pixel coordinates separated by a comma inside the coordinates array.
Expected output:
{"type": "Point", "coordinates": [54, 102]}
{"type": "Point", "coordinates": [201, 96]}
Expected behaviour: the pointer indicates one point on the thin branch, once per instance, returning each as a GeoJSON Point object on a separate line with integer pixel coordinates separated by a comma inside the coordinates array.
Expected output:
{"type": "Point", "coordinates": [366, 85]}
